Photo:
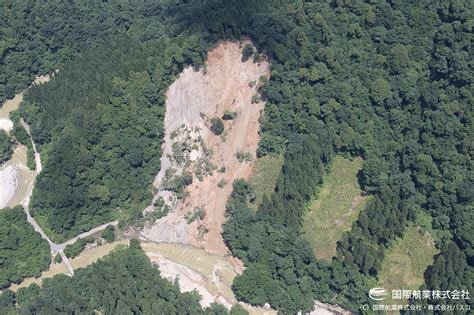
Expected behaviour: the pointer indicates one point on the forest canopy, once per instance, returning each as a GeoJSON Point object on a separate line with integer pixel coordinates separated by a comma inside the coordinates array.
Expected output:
{"type": "Point", "coordinates": [6, 147]}
{"type": "Point", "coordinates": [23, 253]}
{"type": "Point", "coordinates": [137, 286]}
{"type": "Point", "coordinates": [101, 139]}
{"type": "Point", "coordinates": [389, 81]}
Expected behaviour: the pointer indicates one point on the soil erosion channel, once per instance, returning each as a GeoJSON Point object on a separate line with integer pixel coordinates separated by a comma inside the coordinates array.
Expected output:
{"type": "Point", "coordinates": [187, 242]}
{"type": "Point", "coordinates": [226, 86]}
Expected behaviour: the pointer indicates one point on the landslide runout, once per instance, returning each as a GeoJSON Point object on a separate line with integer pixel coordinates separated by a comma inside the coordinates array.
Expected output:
{"type": "Point", "coordinates": [193, 100]}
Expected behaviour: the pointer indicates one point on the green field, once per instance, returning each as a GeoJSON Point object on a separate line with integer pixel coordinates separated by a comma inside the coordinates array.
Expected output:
{"type": "Point", "coordinates": [406, 261]}
{"type": "Point", "coordinates": [335, 208]}
{"type": "Point", "coordinates": [264, 177]}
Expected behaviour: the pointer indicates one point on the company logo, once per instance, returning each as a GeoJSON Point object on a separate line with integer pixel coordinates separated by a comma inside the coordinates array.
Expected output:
{"type": "Point", "coordinates": [378, 294]}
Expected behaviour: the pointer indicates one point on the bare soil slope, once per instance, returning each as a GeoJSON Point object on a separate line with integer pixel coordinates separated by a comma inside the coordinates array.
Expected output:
{"type": "Point", "coordinates": [192, 101]}
{"type": "Point", "coordinates": [16, 179]}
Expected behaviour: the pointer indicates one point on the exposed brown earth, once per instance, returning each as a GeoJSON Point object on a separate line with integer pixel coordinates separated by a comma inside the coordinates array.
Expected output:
{"type": "Point", "coordinates": [16, 180]}
{"type": "Point", "coordinates": [192, 100]}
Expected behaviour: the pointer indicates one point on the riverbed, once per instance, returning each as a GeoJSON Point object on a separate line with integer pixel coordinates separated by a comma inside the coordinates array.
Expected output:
{"type": "Point", "coordinates": [86, 258]}
{"type": "Point", "coordinates": [7, 107]}
{"type": "Point", "coordinates": [211, 275]}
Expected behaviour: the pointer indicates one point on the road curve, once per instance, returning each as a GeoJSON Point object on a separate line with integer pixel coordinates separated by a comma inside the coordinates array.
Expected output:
{"type": "Point", "coordinates": [26, 203]}
{"type": "Point", "coordinates": [55, 248]}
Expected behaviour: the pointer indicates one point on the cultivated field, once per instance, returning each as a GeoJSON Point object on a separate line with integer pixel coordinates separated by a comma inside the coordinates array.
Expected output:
{"type": "Point", "coordinates": [406, 261]}
{"type": "Point", "coordinates": [335, 207]}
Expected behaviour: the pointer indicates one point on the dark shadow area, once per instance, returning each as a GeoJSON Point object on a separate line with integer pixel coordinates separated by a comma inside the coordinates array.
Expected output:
{"type": "Point", "coordinates": [219, 20]}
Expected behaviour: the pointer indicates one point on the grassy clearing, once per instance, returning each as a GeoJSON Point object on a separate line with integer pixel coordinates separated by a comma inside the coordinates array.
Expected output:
{"type": "Point", "coordinates": [336, 207]}
{"type": "Point", "coordinates": [406, 261]}
{"type": "Point", "coordinates": [264, 177]}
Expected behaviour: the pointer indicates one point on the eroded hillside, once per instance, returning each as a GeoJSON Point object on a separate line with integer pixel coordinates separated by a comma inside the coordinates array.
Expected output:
{"type": "Point", "coordinates": [226, 89]}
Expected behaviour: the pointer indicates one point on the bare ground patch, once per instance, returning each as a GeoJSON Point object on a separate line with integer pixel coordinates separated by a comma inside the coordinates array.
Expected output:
{"type": "Point", "coordinates": [191, 149]}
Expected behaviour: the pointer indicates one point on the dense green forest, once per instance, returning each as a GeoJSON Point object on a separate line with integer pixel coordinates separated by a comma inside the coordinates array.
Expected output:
{"type": "Point", "coordinates": [6, 147]}
{"type": "Point", "coordinates": [124, 282]}
{"type": "Point", "coordinates": [101, 138]}
{"type": "Point", "coordinates": [390, 81]}
{"type": "Point", "coordinates": [23, 253]}
{"type": "Point", "coordinates": [99, 125]}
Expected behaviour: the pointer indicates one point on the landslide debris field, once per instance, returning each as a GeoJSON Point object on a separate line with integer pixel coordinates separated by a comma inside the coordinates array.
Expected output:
{"type": "Point", "coordinates": [199, 165]}
{"type": "Point", "coordinates": [194, 212]}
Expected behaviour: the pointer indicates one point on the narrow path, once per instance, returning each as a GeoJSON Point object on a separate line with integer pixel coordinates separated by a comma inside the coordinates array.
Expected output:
{"type": "Point", "coordinates": [39, 166]}
{"type": "Point", "coordinates": [55, 248]}
{"type": "Point", "coordinates": [88, 233]}
{"type": "Point", "coordinates": [26, 203]}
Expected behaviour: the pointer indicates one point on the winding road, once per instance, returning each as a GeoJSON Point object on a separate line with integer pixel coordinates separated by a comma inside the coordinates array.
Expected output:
{"type": "Point", "coordinates": [55, 248]}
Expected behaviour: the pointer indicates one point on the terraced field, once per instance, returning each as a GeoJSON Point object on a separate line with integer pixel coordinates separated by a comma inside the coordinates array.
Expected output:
{"type": "Point", "coordinates": [406, 261]}
{"type": "Point", "coordinates": [335, 207]}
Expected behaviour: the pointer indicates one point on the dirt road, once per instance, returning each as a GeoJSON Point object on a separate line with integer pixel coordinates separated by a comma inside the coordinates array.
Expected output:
{"type": "Point", "coordinates": [55, 248]}
{"type": "Point", "coordinates": [14, 185]}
